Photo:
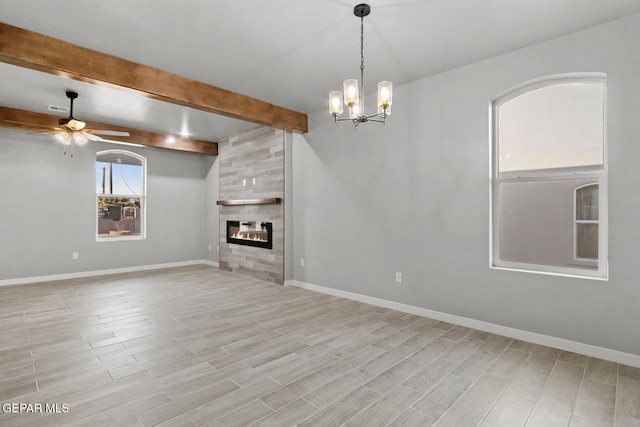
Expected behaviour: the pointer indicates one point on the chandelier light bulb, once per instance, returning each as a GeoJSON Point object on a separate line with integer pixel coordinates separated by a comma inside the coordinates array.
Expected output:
{"type": "Point", "coordinates": [351, 92]}
{"type": "Point", "coordinates": [384, 98]}
{"type": "Point", "coordinates": [335, 103]}
{"type": "Point", "coordinates": [354, 111]}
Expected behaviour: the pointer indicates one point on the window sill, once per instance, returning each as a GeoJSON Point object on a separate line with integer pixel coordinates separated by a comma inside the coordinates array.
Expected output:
{"type": "Point", "coordinates": [574, 275]}
{"type": "Point", "coordinates": [112, 238]}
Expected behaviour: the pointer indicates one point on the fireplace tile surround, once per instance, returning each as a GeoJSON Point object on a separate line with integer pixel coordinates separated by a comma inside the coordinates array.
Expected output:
{"type": "Point", "coordinates": [257, 154]}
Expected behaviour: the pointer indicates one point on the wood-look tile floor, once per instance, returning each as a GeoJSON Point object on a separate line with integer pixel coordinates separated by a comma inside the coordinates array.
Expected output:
{"type": "Point", "coordinates": [200, 346]}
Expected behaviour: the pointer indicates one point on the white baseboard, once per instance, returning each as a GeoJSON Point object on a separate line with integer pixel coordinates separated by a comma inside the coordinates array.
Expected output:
{"type": "Point", "coordinates": [560, 343]}
{"type": "Point", "coordinates": [82, 274]}
{"type": "Point", "coordinates": [211, 263]}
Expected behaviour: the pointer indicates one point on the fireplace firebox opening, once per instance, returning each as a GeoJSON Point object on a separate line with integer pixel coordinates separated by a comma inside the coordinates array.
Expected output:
{"type": "Point", "coordinates": [250, 233]}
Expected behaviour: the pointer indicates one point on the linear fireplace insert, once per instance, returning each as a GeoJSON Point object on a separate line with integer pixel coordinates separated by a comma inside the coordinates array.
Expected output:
{"type": "Point", "coordinates": [250, 233]}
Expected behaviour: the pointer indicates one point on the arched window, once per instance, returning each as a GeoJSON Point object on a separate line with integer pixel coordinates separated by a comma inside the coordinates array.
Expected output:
{"type": "Point", "coordinates": [549, 177]}
{"type": "Point", "coordinates": [120, 190]}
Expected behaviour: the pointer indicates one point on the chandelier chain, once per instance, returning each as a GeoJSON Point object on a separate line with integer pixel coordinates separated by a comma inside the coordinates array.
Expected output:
{"type": "Point", "coordinates": [361, 43]}
{"type": "Point", "coordinates": [362, 62]}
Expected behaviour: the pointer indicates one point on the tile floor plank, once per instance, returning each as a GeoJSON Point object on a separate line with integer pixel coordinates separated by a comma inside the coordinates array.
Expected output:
{"type": "Point", "coordinates": [529, 381]}
{"type": "Point", "coordinates": [602, 371]}
{"type": "Point", "coordinates": [551, 411]}
{"type": "Point", "coordinates": [509, 411]}
{"type": "Point", "coordinates": [564, 380]}
{"type": "Point", "coordinates": [596, 401]}
{"type": "Point", "coordinates": [412, 418]}
{"type": "Point", "coordinates": [343, 409]}
{"type": "Point", "coordinates": [243, 416]}
{"type": "Point", "coordinates": [627, 405]}
{"type": "Point", "coordinates": [336, 389]}
{"type": "Point", "coordinates": [544, 356]}
{"type": "Point", "coordinates": [290, 415]}
{"type": "Point", "coordinates": [386, 409]}
{"type": "Point", "coordinates": [429, 377]}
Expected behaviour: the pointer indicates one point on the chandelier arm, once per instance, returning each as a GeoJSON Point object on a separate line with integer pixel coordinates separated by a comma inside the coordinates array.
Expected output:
{"type": "Point", "coordinates": [343, 119]}
{"type": "Point", "coordinates": [376, 115]}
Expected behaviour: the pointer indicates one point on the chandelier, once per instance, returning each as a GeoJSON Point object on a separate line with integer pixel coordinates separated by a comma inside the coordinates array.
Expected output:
{"type": "Point", "coordinates": [354, 93]}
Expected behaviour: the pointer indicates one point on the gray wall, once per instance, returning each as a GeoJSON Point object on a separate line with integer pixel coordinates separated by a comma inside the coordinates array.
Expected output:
{"type": "Point", "coordinates": [212, 210]}
{"type": "Point", "coordinates": [48, 209]}
{"type": "Point", "coordinates": [413, 197]}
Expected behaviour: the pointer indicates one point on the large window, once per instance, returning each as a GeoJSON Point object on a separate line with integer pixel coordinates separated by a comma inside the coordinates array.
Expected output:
{"type": "Point", "coordinates": [120, 189]}
{"type": "Point", "coordinates": [549, 177]}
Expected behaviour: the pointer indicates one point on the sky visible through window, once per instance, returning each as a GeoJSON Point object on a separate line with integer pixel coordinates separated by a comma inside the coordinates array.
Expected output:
{"type": "Point", "coordinates": [127, 179]}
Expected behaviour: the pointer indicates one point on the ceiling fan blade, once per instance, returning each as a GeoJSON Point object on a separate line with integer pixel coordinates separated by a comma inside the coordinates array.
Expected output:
{"type": "Point", "coordinates": [131, 144]}
{"type": "Point", "coordinates": [49, 132]}
{"type": "Point", "coordinates": [92, 137]}
{"type": "Point", "coordinates": [29, 124]}
{"type": "Point", "coordinates": [109, 132]}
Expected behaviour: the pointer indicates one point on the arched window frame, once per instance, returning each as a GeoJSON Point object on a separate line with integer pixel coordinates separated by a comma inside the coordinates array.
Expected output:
{"type": "Point", "coordinates": [599, 176]}
{"type": "Point", "coordinates": [143, 198]}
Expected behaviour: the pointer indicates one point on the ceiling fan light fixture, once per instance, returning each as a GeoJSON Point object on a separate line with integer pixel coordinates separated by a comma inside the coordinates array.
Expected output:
{"type": "Point", "coordinates": [63, 137]}
{"type": "Point", "coordinates": [79, 138]}
{"type": "Point", "coordinates": [76, 125]}
{"type": "Point", "coordinates": [354, 90]}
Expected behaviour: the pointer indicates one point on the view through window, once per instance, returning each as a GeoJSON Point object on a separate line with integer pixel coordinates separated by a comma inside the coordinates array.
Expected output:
{"type": "Point", "coordinates": [120, 185]}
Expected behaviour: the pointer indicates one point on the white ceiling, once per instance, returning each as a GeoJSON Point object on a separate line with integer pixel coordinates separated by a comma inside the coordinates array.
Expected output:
{"type": "Point", "coordinates": [287, 52]}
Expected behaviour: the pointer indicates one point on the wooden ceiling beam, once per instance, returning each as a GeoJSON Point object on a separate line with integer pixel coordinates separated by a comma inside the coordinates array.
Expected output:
{"type": "Point", "coordinates": [40, 122]}
{"type": "Point", "coordinates": [36, 51]}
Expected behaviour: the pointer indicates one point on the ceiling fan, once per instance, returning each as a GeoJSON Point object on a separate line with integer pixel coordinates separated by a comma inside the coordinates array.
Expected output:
{"type": "Point", "coordinates": [72, 130]}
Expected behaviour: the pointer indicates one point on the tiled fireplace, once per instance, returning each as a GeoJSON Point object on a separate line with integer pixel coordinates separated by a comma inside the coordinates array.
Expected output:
{"type": "Point", "coordinates": [251, 204]}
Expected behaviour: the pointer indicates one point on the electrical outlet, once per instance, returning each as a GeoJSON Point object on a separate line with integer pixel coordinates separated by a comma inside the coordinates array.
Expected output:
{"type": "Point", "coordinates": [398, 277]}
{"type": "Point", "coordinates": [74, 255]}
{"type": "Point", "coordinates": [244, 182]}
{"type": "Point", "coordinates": [254, 181]}
{"type": "Point", "coordinates": [301, 262]}
{"type": "Point", "coordinates": [209, 247]}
